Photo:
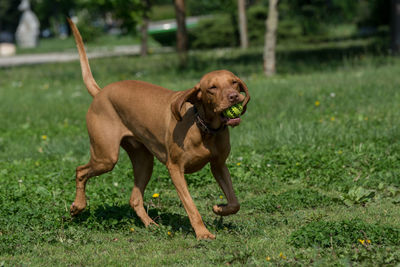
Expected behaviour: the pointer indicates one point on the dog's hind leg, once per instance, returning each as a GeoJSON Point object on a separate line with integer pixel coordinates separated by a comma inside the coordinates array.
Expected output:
{"type": "Point", "coordinates": [142, 163]}
{"type": "Point", "coordinates": [104, 149]}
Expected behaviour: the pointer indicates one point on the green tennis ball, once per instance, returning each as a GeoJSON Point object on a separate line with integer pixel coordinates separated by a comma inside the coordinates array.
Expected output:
{"type": "Point", "coordinates": [234, 111]}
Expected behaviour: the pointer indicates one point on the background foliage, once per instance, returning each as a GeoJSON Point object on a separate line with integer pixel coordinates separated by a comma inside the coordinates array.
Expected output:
{"type": "Point", "coordinates": [304, 19]}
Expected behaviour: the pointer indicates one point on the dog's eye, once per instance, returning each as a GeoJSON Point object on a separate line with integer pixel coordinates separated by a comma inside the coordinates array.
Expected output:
{"type": "Point", "coordinates": [211, 90]}
{"type": "Point", "coordinates": [234, 82]}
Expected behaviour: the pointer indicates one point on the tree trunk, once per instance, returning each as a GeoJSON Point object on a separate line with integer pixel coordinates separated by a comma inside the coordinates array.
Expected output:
{"type": "Point", "coordinates": [395, 27]}
{"type": "Point", "coordinates": [143, 32]}
{"type": "Point", "coordinates": [244, 41]}
{"type": "Point", "coordinates": [181, 33]}
{"type": "Point", "coordinates": [144, 27]}
{"type": "Point", "coordinates": [270, 38]}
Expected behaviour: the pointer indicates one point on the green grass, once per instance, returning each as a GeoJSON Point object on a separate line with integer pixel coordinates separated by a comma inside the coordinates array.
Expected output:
{"type": "Point", "coordinates": [316, 180]}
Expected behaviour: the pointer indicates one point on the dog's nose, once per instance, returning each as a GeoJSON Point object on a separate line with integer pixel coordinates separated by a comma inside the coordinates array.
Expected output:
{"type": "Point", "coordinates": [233, 97]}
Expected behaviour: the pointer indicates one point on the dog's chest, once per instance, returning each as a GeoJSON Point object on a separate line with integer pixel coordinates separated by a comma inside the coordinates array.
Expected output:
{"type": "Point", "coordinates": [196, 156]}
{"type": "Point", "coordinates": [197, 159]}
{"type": "Point", "coordinates": [194, 150]}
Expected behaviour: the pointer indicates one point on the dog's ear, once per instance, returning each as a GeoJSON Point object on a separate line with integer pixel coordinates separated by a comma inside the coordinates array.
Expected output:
{"type": "Point", "coordinates": [191, 95]}
{"type": "Point", "coordinates": [243, 88]}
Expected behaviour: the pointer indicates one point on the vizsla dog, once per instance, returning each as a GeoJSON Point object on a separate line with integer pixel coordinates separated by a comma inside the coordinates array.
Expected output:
{"type": "Point", "coordinates": [183, 129]}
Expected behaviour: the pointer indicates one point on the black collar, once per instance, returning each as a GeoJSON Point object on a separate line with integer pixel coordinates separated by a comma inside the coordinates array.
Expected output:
{"type": "Point", "coordinates": [203, 126]}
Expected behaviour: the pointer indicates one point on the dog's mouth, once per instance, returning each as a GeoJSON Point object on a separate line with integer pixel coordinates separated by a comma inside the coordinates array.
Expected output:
{"type": "Point", "coordinates": [230, 122]}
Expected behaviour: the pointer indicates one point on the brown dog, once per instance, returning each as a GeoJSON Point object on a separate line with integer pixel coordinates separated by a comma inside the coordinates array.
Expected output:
{"type": "Point", "coordinates": [184, 130]}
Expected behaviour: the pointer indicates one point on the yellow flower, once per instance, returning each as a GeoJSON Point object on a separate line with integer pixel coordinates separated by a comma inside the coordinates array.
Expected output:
{"type": "Point", "coordinates": [332, 118]}
{"type": "Point", "coordinates": [238, 164]}
{"type": "Point", "coordinates": [169, 233]}
{"type": "Point", "coordinates": [369, 241]}
{"type": "Point", "coordinates": [44, 137]}
{"type": "Point", "coordinates": [132, 229]}
{"type": "Point", "coordinates": [268, 258]}
{"type": "Point", "coordinates": [317, 103]}
{"type": "Point", "coordinates": [361, 241]}
{"type": "Point", "coordinates": [156, 195]}
{"type": "Point", "coordinates": [282, 256]}
{"type": "Point", "coordinates": [221, 197]}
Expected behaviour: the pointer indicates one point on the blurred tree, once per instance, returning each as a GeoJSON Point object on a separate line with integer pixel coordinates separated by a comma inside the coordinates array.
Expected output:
{"type": "Point", "coordinates": [53, 13]}
{"type": "Point", "coordinates": [224, 13]}
{"type": "Point", "coordinates": [257, 15]}
{"type": "Point", "coordinates": [270, 38]}
{"type": "Point", "coordinates": [9, 15]}
{"type": "Point", "coordinates": [89, 25]}
{"type": "Point", "coordinates": [207, 7]}
{"type": "Point", "coordinates": [314, 15]}
{"type": "Point", "coordinates": [181, 32]}
{"type": "Point", "coordinates": [144, 27]}
{"type": "Point", "coordinates": [244, 41]}
{"type": "Point", "coordinates": [213, 32]}
{"type": "Point", "coordinates": [395, 27]}
{"type": "Point", "coordinates": [373, 13]}
{"type": "Point", "coordinates": [129, 12]}
{"type": "Point", "coordinates": [161, 2]}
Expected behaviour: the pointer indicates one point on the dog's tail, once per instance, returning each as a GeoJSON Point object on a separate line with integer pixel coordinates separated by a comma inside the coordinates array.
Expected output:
{"type": "Point", "coordinates": [88, 79]}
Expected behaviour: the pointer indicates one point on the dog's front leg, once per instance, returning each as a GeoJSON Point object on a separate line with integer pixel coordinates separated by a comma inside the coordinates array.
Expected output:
{"type": "Point", "coordinates": [177, 175]}
{"type": "Point", "coordinates": [223, 177]}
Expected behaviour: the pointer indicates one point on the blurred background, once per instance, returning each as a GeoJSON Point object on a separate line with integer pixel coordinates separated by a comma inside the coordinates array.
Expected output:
{"type": "Point", "coordinates": [152, 24]}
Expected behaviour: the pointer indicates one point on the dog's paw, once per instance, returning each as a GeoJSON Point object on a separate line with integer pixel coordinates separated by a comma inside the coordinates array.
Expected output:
{"type": "Point", "coordinates": [224, 209]}
{"type": "Point", "coordinates": [75, 209]}
{"type": "Point", "coordinates": [205, 235]}
{"type": "Point", "coordinates": [217, 209]}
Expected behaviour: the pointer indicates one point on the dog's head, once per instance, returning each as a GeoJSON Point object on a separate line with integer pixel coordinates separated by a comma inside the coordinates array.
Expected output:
{"type": "Point", "coordinates": [216, 91]}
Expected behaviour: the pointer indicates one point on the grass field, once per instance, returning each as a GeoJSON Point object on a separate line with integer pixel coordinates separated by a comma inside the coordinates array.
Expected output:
{"type": "Point", "coordinates": [315, 165]}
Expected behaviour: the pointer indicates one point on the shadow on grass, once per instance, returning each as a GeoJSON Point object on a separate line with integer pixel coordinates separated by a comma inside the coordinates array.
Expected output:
{"type": "Point", "coordinates": [306, 59]}
{"type": "Point", "coordinates": [219, 224]}
{"type": "Point", "coordinates": [117, 217]}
